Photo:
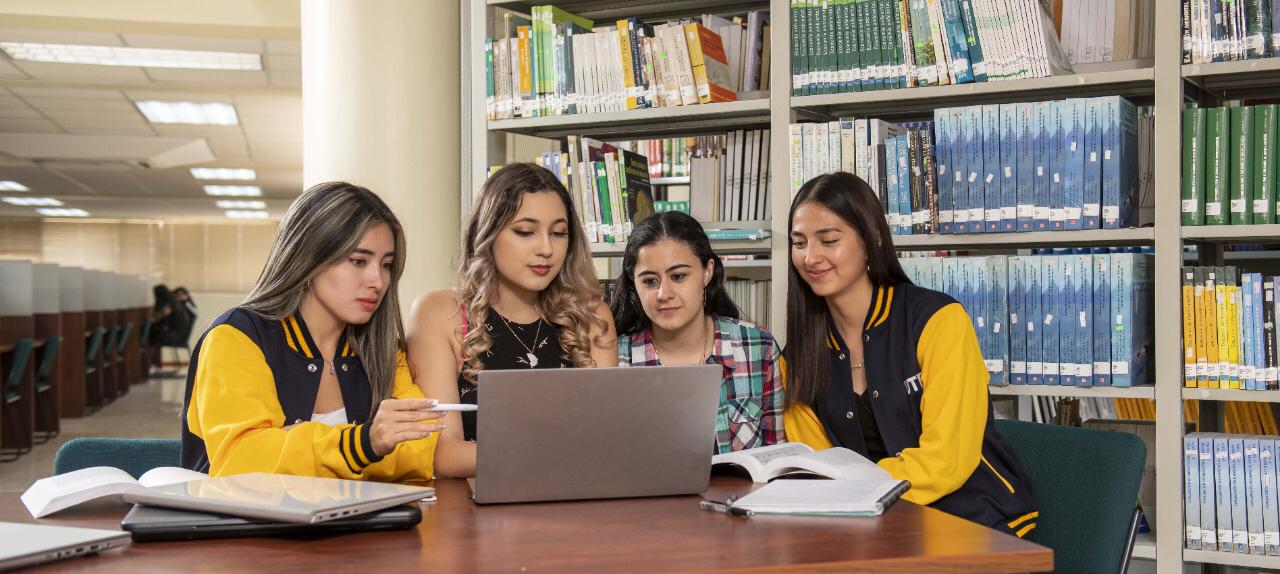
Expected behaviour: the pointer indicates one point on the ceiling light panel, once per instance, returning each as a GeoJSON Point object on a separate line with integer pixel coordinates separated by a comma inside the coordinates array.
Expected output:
{"type": "Point", "coordinates": [224, 173]}
{"type": "Point", "coordinates": [129, 56]}
{"type": "Point", "coordinates": [32, 201]}
{"type": "Point", "coordinates": [247, 214]}
{"type": "Point", "coordinates": [241, 204]}
{"type": "Point", "coordinates": [62, 212]}
{"type": "Point", "coordinates": [233, 190]}
{"type": "Point", "coordinates": [206, 113]}
{"type": "Point", "coordinates": [13, 186]}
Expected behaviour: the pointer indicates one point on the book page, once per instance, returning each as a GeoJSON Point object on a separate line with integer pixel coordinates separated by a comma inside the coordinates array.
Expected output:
{"type": "Point", "coordinates": [755, 460]}
{"type": "Point", "coordinates": [818, 496]}
{"type": "Point", "coordinates": [49, 495]}
{"type": "Point", "coordinates": [163, 475]}
{"type": "Point", "coordinates": [838, 463]}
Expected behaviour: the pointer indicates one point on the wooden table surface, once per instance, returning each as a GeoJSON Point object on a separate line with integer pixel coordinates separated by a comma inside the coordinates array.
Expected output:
{"type": "Point", "coordinates": [635, 535]}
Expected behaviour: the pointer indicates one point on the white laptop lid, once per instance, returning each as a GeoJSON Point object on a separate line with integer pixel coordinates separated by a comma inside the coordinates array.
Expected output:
{"type": "Point", "coordinates": [287, 498]}
{"type": "Point", "coordinates": [32, 544]}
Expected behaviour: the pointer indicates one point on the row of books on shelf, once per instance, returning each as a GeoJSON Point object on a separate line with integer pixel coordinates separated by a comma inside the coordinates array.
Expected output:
{"type": "Point", "coordinates": [1229, 168]}
{"type": "Point", "coordinates": [752, 298]}
{"type": "Point", "coordinates": [1079, 163]}
{"type": "Point", "coordinates": [668, 157]}
{"type": "Point", "coordinates": [1230, 490]}
{"type": "Point", "coordinates": [552, 62]}
{"type": "Point", "coordinates": [861, 45]}
{"type": "Point", "coordinates": [1218, 31]}
{"type": "Point", "coordinates": [1070, 319]}
{"type": "Point", "coordinates": [1228, 329]}
{"type": "Point", "coordinates": [1106, 30]}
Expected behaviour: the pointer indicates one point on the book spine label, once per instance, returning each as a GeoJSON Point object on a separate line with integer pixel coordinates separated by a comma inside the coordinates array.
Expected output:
{"type": "Point", "coordinates": [1059, 125]}
{"type": "Point", "coordinates": [1235, 464]}
{"type": "Point", "coordinates": [974, 161]}
{"type": "Point", "coordinates": [1188, 328]}
{"type": "Point", "coordinates": [1101, 301]}
{"type": "Point", "coordinates": [1033, 297]}
{"type": "Point", "coordinates": [1191, 488]}
{"type": "Point", "coordinates": [1091, 184]}
{"type": "Point", "coordinates": [1271, 382]}
{"type": "Point", "coordinates": [1208, 503]}
{"type": "Point", "coordinates": [1222, 493]}
{"type": "Point", "coordinates": [1193, 165]}
{"type": "Point", "coordinates": [1008, 174]}
{"type": "Point", "coordinates": [1253, 494]}
{"type": "Point", "coordinates": [1122, 279]}
{"type": "Point", "coordinates": [942, 167]}
{"type": "Point", "coordinates": [998, 296]}
{"type": "Point", "coordinates": [977, 61]}
{"type": "Point", "coordinates": [1042, 148]}
{"type": "Point", "coordinates": [992, 195]}
{"type": "Point", "coordinates": [1270, 496]}
{"type": "Point", "coordinates": [1075, 156]}
{"type": "Point", "coordinates": [1241, 165]}
{"type": "Point", "coordinates": [1017, 331]}
{"type": "Point", "coordinates": [1067, 326]}
{"type": "Point", "coordinates": [1213, 369]}
{"type": "Point", "coordinates": [1264, 182]}
{"type": "Point", "coordinates": [1051, 300]}
{"type": "Point", "coordinates": [1084, 318]}
{"type": "Point", "coordinates": [1217, 138]}
{"type": "Point", "coordinates": [1025, 165]}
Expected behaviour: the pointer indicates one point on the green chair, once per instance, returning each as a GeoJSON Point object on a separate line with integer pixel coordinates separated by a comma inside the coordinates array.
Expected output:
{"type": "Point", "coordinates": [132, 455]}
{"type": "Point", "coordinates": [1085, 483]}
{"type": "Point", "coordinates": [144, 348]}
{"type": "Point", "coordinates": [110, 390]}
{"type": "Point", "coordinates": [15, 420]}
{"type": "Point", "coordinates": [92, 382]}
{"type": "Point", "coordinates": [46, 402]}
{"type": "Point", "coordinates": [121, 343]}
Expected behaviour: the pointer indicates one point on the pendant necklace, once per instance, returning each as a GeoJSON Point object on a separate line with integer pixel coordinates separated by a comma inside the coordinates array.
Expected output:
{"type": "Point", "coordinates": [533, 359]}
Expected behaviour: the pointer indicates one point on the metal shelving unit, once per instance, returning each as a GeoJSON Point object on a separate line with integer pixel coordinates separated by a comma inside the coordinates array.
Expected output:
{"type": "Point", "coordinates": [1147, 392]}
{"type": "Point", "coordinates": [729, 247]}
{"type": "Point", "coordinates": [1232, 395]}
{"type": "Point", "coordinates": [1164, 81]}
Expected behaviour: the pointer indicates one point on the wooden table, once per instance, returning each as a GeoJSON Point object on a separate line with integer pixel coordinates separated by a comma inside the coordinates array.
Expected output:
{"type": "Point", "coordinates": [636, 535]}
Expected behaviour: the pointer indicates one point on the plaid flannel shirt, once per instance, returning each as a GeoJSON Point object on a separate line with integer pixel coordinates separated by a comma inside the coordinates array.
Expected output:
{"type": "Point", "coordinates": [751, 397]}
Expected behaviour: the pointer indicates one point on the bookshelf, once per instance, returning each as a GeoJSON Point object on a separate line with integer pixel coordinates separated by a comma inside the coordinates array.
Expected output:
{"type": "Point", "coordinates": [1163, 81]}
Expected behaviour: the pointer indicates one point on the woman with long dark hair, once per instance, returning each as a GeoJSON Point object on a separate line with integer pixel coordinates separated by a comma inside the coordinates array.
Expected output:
{"type": "Point", "coordinates": [671, 308]}
{"type": "Point", "coordinates": [893, 371]}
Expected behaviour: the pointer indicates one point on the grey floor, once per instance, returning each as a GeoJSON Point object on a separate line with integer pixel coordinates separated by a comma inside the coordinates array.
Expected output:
{"type": "Point", "coordinates": [149, 410]}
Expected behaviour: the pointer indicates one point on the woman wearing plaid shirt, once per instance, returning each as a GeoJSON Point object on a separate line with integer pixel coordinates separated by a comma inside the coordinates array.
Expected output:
{"type": "Point", "coordinates": [671, 308]}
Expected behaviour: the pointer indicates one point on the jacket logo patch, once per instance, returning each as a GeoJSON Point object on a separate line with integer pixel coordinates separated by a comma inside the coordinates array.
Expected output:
{"type": "Point", "coordinates": [913, 384]}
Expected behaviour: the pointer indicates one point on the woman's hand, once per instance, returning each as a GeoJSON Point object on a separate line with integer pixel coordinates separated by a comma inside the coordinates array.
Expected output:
{"type": "Point", "coordinates": [399, 420]}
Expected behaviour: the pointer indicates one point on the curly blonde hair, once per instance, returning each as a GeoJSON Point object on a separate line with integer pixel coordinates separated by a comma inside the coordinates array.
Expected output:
{"type": "Point", "coordinates": [569, 302]}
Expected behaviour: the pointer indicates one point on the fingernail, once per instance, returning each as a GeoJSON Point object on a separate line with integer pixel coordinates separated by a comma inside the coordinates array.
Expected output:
{"type": "Point", "coordinates": [432, 402]}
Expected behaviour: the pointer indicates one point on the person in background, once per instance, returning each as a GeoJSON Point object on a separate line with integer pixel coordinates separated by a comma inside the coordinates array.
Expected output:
{"type": "Point", "coordinates": [527, 298]}
{"type": "Point", "coordinates": [671, 308]}
{"type": "Point", "coordinates": [170, 322]}
{"type": "Point", "coordinates": [184, 297]}
{"type": "Point", "coordinates": [308, 375]}
{"type": "Point", "coordinates": [893, 371]}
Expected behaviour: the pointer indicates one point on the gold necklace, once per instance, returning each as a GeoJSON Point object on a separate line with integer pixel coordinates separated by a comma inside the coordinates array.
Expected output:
{"type": "Point", "coordinates": [706, 345]}
{"type": "Point", "coordinates": [533, 359]}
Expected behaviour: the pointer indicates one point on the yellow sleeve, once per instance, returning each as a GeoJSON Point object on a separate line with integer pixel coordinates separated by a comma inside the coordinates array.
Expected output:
{"type": "Point", "coordinates": [953, 409]}
{"type": "Point", "coordinates": [235, 411]}
{"type": "Point", "coordinates": [411, 460]}
{"type": "Point", "coordinates": [799, 421]}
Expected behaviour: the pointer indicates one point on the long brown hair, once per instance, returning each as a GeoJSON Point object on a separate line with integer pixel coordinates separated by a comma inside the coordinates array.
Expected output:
{"type": "Point", "coordinates": [846, 195]}
{"type": "Point", "coordinates": [569, 302]}
{"type": "Point", "coordinates": [321, 228]}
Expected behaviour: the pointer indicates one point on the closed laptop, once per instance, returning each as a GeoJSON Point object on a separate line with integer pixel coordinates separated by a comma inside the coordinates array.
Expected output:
{"type": "Point", "coordinates": [32, 544]}
{"type": "Point", "coordinates": [154, 524]}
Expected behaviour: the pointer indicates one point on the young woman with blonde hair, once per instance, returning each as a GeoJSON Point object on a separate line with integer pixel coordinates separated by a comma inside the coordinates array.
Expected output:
{"type": "Point", "coordinates": [527, 298]}
{"type": "Point", "coordinates": [308, 375]}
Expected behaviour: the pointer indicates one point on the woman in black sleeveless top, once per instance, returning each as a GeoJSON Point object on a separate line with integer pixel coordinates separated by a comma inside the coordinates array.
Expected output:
{"type": "Point", "coordinates": [527, 297]}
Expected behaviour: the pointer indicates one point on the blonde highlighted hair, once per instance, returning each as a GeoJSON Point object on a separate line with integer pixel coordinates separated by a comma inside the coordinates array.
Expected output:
{"type": "Point", "coordinates": [569, 302]}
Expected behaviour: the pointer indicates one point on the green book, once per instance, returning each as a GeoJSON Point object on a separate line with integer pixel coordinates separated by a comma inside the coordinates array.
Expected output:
{"type": "Point", "coordinates": [926, 60]}
{"type": "Point", "coordinates": [1193, 167]}
{"type": "Point", "coordinates": [830, 85]}
{"type": "Point", "coordinates": [797, 51]}
{"type": "Point", "coordinates": [1217, 137]}
{"type": "Point", "coordinates": [852, 57]}
{"type": "Point", "coordinates": [1264, 157]}
{"type": "Point", "coordinates": [606, 214]}
{"type": "Point", "coordinates": [873, 48]}
{"type": "Point", "coordinates": [1242, 167]}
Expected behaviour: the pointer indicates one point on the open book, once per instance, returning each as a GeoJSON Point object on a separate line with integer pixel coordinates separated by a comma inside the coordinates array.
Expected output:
{"type": "Point", "coordinates": [769, 462]}
{"type": "Point", "coordinates": [49, 495]}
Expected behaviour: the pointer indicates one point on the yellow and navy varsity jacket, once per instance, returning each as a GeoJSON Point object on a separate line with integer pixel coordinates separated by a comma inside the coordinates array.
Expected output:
{"type": "Point", "coordinates": [928, 387]}
{"type": "Point", "coordinates": [251, 388]}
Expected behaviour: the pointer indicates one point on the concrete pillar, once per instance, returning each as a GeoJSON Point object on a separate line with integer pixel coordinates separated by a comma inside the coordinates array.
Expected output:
{"type": "Point", "coordinates": [380, 99]}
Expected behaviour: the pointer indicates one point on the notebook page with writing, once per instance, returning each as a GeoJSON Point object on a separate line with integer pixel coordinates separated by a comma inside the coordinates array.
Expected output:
{"type": "Point", "coordinates": [837, 463]}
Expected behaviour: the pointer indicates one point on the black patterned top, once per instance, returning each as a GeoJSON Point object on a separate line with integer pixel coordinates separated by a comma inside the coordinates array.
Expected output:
{"type": "Point", "coordinates": [515, 346]}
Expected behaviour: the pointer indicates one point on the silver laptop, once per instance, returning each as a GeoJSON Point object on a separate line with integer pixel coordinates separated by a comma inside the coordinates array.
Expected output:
{"type": "Point", "coordinates": [31, 544]}
{"type": "Point", "coordinates": [282, 497]}
{"type": "Point", "coordinates": [570, 434]}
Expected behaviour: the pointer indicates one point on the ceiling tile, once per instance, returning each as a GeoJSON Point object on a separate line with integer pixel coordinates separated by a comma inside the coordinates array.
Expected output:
{"type": "Point", "coordinates": [291, 47]}
{"type": "Point", "coordinates": [70, 104]}
{"type": "Point", "coordinates": [20, 113]}
{"type": "Point", "coordinates": [212, 77]}
{"type": "Point", "coordinates": [198, 131]}
{"type": "Point", "coordinates": [284, 63]}
{"type": "Point", "coordinates": [60, 36]}
{"type": "Point", "coordinates": [108, 129]}
{"type": "Point", "coordinates": [85, 93]}
{"type": "Point", "coordinates": [32, 126]}
{"type": "Point", "coordinates": [7, 102]}
{"type": "Point", "coordinates": [164, 96]}
{"type": "Point", "coordinates": [252, 45]}
{"type": "Point", "coordinates": [51, 71]}
{"type": "Point", "coordinates": [93, 115]}
{"type": "Point", "coordinates": [8, 70]}
{"type": "Point", "coordinates": [286, 79]}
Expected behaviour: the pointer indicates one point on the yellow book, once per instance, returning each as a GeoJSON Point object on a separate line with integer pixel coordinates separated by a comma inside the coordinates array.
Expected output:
{"type": "Point", "coordinates": [1233, 334]}
{"type": "Point", "coordinates": [1268, 419]}
{"type": "Point", "coordinates": [625, 29]}
{"type": "Point", "coordinates": [1221, 316]}
{"type": "Point", "coordinates": [710, 65]}
{"type": "Point", "coordinates": [522, 60]}
{"type": "Point", "coordinates": [1188, 328]}
{"type": "Point", "coordinates": [1209, 301]}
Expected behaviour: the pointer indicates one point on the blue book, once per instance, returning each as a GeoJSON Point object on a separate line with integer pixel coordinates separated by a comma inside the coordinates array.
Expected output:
{"type": "Point", "coordinates": [1259, 329]}
{"type": "Point", "coordinates": [991, 167]}
{"type": "Point", "coordinates": [974, 163]}
{"type": "Point", "coordinates": [1270, 497]}
{"type": "Point", "coordinates": [942, 160]}
{"type": "Point", "coordinates": [1131, 307]}
{"type": "Point", "coordinates": [1033, 303]}
{"type": "Point", "coordinates": [998, 315]}
{"type": "Point", "coordinates": [959, 171]}
{"type": "Point", "coordinates": [891, 178]}
{"type": "Point", "coordinates": [1120, 165]}
{"type": "Point", "coordinates": [1073, 163]}
{"type": "Point", "coordinates": [1058, 164]}
{"type": "Point", "coordinates": [1017, 331]}
{"type": "Point", "coordinates": [1208, 503]}
{"type": "Point", "coordinates": [1247, 367]}
{"type": "Point", "coordinates": [1235, 462]}
{"type": "Point", "coordinates": [1253, 494]}
{"type": "Point", "coordinates": [905, 214]}
{"type": "Point", "coordinates": [1084, 320]}
{"type": "Point", "coordinates": [1050, 306]}
{"type": "Point", "coordinates": [935, 273]}
{"type": "Point", "coordinates": [1222, 493]}
{"type": "Point", "coordinates": [1101, 319]}
{"type": "Point", "coordinates": [1025, 165]}
{"type": "Point", "coordinates": [1008, 174]}
{"type": "Point", "coordinates": [1042, 176]}
{"type": "Point", "coordinates": [956, 40]}
{"type": "Point", "coordinates": [951, 282]}
{"type": "Point", "coordinates": [979, 284]}
{"type": "Point", "coordinates": [964, 281]}
{"type": "Point", "coordinates": [1091, 187]}
{"type": "Point", "coordinates": [1068, 329]}
{"type": "Point", "coordinates": [1191, 488]}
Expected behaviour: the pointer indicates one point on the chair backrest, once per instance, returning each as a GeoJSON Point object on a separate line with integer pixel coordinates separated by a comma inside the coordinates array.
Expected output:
{"type": "Point", "coordinates": [109, 347]}
{"type": "Point", "coordinates": [21, 354]}
{"type": "Point", "coordinates": [144, 337]}
{"type": "Point", "coordinates": [95, 345]}
{"type": "Point", "coordinates": [132, 455]}
{"type": "Point", "coordinates": [124, 337]}
{"type": "Point", "coordinates": [1085, 483]}
{"type": "Point", "coordinates": [50, 357]}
